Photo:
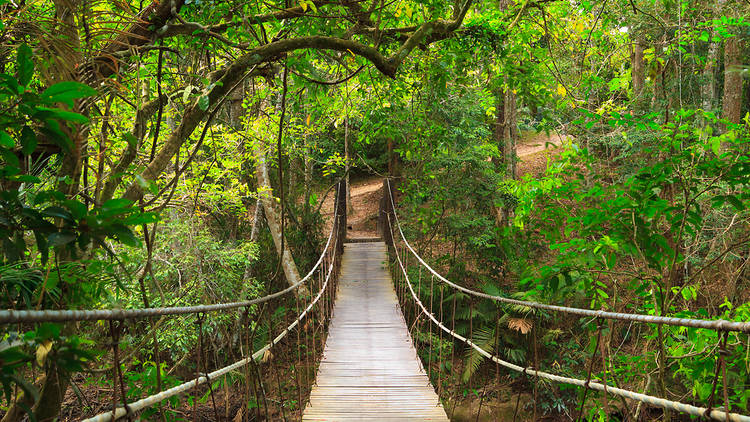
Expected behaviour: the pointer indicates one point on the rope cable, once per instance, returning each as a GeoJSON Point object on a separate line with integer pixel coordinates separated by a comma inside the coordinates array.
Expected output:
{"type": "Point", "coordinates": [9, 316]}
{"type": "Point", "coordinates": [593, 385]}
{"type": "Point", "coordinates": [717, 324]}
{"type": "Point", "coordinates": [156, 398]}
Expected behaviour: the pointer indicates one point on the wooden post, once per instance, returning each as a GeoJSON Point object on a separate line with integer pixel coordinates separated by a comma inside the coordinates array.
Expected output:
{"type": "Point", "coordinates": [341, 212]}
{"type": "Point", "coordinates": [386, 210]}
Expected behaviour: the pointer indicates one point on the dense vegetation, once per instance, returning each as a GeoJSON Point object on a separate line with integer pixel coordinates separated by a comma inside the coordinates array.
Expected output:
{"type": "Point", "coordinates": [182, 152]}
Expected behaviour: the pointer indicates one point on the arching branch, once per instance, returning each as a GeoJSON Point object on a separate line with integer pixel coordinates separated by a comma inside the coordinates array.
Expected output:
{"type": "Point", "coordinates": [227, 77]}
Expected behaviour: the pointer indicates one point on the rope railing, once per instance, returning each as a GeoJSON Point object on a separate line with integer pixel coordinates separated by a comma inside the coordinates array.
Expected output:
{"type": "Point", "coordinates": [9, 316]}
{"type": "Point", "coordinates": [146, 402]}
{"type": "Point", "coordinates": [593, 385]}
{"type": "Point", "coordinates": [323, 275]}
{"type": "Point", "coordinates": [715, 324]}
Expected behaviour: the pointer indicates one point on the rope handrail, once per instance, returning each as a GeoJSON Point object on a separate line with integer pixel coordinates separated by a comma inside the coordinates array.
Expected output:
{"type": "Point", "coordinates": [146, 402]}
{"type": "Point", "coordinates": [9, 316]}
{"type": "Point", "coordinates": [593, 385]}
{"type": "Point", "coordinates": [715, 324]}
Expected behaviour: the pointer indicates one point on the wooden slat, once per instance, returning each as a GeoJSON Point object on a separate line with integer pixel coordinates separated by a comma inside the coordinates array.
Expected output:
{"type": "Point", "coordinates": [370, 369]}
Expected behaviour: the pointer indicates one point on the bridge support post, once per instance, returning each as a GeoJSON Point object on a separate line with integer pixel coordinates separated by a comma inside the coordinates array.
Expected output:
{"type": "Point", "coordinates": [341, 213]}
{"type": "Point", "coordinates": [386, 210]}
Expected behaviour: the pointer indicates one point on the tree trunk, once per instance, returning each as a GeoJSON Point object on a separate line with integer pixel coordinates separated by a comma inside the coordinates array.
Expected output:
{"type": "Point", "coordinates": [510, 130]}
{"type": "Point", "coordinates": [732, 104]}
{"type": "Point", "coordinates": [273, 219]}
{"type": "Point", "coordinates": [638, 74]}
{"type": "Point", "coordinates": [349, 208]}
{"type": "Point", "coordinates": [16, 412]}
{"type": "Point", "coordinates": [65, 61]}
{"type": "Point", "coordinates": [498, 127]}
{"type": "Point", "coordinates": [308, 172]}
{"type": "Point", "coordinates": [510, 134]}
{"type": "Point", "coordinates": [394, 166]}
{"type": "Point", "coordinates": [658, 84]}
{"type": "Point", "coordinates": [235, 106]}
{"type": "Point", "coordinates": [292, 175]}
{"type": "Point", "coordinates": [708, 87]}
{"type": "Point", "coordinates": [258, 216]}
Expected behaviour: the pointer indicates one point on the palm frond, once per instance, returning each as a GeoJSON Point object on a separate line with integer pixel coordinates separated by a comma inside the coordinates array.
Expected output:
{"type": "Point", "coordinates": [485, 339]}
{"type": "Point", "coordinates": [491, 289]}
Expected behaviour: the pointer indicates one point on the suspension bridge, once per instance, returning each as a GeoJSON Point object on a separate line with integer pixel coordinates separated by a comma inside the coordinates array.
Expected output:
{"type": "Point", "coordinates": [356, 329]}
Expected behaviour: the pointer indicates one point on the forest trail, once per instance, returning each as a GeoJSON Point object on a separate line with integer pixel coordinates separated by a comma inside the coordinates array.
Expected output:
{"type": "Point", "coordinates": [363, 215]}
{"type": "Point", "coordinates": [532, 151]}
{"type": "Point", "coordinates": [533, 148]}
{"type": "Point", "coordinates": [370, 369]}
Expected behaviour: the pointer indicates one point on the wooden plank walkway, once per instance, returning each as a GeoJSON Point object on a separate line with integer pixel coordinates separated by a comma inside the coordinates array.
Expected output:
{"type": "Point", "coordinates": [370, 369]}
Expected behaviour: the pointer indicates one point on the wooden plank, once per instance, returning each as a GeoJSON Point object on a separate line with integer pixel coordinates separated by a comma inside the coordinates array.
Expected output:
{"type": "Point", "coordinates": [370, 369]}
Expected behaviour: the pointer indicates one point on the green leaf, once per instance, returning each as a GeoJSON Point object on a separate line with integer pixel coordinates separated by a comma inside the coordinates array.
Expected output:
{"type": "Point", "coordinates": [52, 130]}
{"type": "Point", "coordinates": [25, 386]}
{"type": "Point", "coordinates": [186, 93]}
{"type": "Point", "coordinates": [144, 218]}
{"type": "Point", "coordinates": [77, 209]}
{"type": "Point", "coordinates": [28, 140]}
{"type": "Point", "coordinates": [25, 65]}
{"type": "Point", "coordinates": [68, 116]}
{"type": "Point", "coordinates": [60, 239]}
{"type": "Point", "coordinates": [735, 202]}
{"type": "Point", "coordinates": [25, 178]}
{"type": "Point", "coordinates": [130, 139]}
{"type": "Point", "coordinates": [5, 140]}
{"type": "Point", "coordinates": [117, 203]}
{"type": "Point", "coordinates": [58, 212]}
{"type": "Point", "coordinates": [602, 293]}
{"type": "Point", "coordinates": [715, 144]}
{"type": "Point", "coordinates": [48, 330]}
{"type": "Point", "coordinates": [203, 102]}
{"type": "Point", "coordinates": [9, 84]}
{"type": "Point", "coordinates": [123, 234]}
{"type": "Point", "coordinates": [718, 201]}
{"type": "Point", "coordinates": [42, 246]}
{"type": "Point", "coordinates": [147, 185]}
{"type": "Point", "coordinates": [66, 92]}
{"type": "Point", "coordinates": [10, 158]}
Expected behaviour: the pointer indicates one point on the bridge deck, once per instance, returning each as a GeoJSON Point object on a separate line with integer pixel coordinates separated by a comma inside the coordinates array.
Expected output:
{"type": "Point", "coordinates": [370, 369]}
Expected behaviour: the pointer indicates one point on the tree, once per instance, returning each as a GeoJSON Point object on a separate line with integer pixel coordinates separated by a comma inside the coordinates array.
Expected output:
{"type": "Point", "coordinates": [198, 58]}
{"type": "Point", "coordinates": [732, 102]}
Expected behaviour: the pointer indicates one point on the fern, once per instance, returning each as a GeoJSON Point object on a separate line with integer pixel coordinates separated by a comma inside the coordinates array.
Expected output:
{"type": "Point", "coordinates": [485, 339]}
{"type": "Point", "coordinates": [491, 289]}
{"type": "Point", "coordinates": [18, 283]}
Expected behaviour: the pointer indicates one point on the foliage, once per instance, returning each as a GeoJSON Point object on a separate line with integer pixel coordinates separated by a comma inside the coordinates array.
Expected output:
{"type": "Point", "coordinates": [140, 185]}
{"type": "Point", "coordinates": [67, 226]}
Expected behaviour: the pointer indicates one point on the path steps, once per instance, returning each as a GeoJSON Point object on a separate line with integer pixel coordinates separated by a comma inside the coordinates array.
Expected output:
{"type": "Point", "coordinates": [370, 370]}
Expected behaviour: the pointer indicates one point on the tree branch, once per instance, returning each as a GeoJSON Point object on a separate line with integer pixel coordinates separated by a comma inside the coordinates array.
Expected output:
{"type": "Point", "coordinates": [141, 32]}
{"type": "Point", "coordinates": [228, 76]}
{"type": "Point", "coordinates": [138, 132]}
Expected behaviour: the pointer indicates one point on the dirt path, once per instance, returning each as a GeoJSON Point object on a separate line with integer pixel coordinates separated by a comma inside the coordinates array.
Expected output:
{"type": "Point", "coordinates": [533, 149]}
{"type": "Point", "coordinates": [363, 217]}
